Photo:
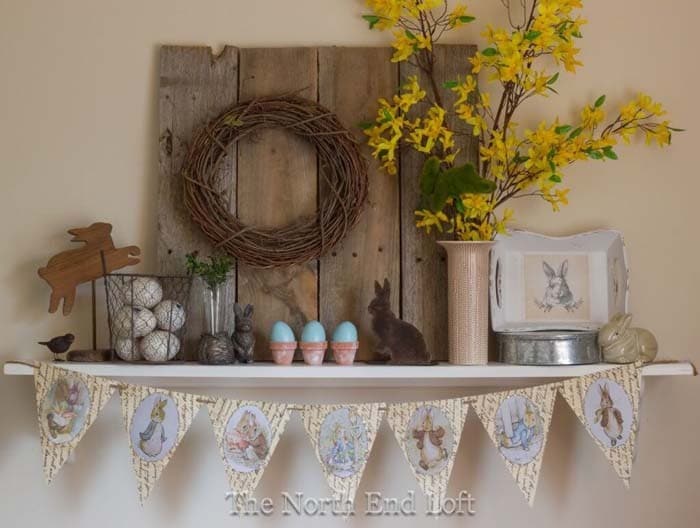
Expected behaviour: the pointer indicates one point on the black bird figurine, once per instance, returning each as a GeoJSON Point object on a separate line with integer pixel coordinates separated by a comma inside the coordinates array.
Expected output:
{"type": "Point", "coordinates": [59, 344]}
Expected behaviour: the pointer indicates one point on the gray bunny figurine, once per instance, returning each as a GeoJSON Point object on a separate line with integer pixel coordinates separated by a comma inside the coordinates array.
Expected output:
{"type": "Point", "coordinates": [243, 337]}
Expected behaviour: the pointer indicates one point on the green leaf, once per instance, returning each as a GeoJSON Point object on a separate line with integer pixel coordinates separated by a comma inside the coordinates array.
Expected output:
{"type": "Point", "coordinates": [595, 154]}
{"type": "Point", "coordinates": [555, 178]}
{"type": "Point", "coordinates": [429, 176]}
{"type": "Point", "coordinates": [438, 186]}
{"type": "Point", "coordinates": [576, 133]}
{"type": "Point", "coordinates": [365, 125]}
{"type": "Point", "coordinates": [459, 206]}
{"type": "Point", "coordinates": [532, 35]}
{"type": "Point", "coordinates": [563, 129]}
{"type": "Point", "coordinates": [552, 166]}
{"type": "Point", "coordinates": [554, 78]}
{"type": "Point", "coordinates": [450, 84]}
{"type": "Point", "coordinates": [552, 90]}
{"type": "Point", "coordinates": [410, 35]}
{"type": "Point", "coordinates": [600, 101]}
{"type": "Point", "coordinates": [490, 52]}
{"type": "Point", "coordinates": [372, 19]}
{"type": "Point", "coordinates": [466, 19]}
{"type": "Point", "coordinates": [576, 34]}
{"type": "Point", "coordinates": [520, 159]}
{"type": "Point", "coordinates": [387, 116]}
{"type": "Point", "coordinates": [609, 153]}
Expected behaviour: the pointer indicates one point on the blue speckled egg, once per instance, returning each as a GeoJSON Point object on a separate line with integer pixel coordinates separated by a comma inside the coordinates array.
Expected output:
{"type": "Point", "coordinates": [281, 333]}
{"type": "Point", "coordinates": [313, 332]}
{"type": "Point", "coordinates": [345, 332]}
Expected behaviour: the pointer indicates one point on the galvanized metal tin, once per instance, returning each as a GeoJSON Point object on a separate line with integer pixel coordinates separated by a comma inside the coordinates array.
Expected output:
{"type": "Point", "coordinates": [555, 347]}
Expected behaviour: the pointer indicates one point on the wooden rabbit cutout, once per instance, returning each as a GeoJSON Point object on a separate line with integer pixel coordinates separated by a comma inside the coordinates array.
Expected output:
{"type": "Point", "coordinates": [400, 343]}
{"type": "Point", "coordinates": [66, 270]}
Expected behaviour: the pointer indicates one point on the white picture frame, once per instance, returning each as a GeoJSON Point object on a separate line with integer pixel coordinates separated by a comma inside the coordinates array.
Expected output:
{"type": "Point", "coordinates": [539, 282]}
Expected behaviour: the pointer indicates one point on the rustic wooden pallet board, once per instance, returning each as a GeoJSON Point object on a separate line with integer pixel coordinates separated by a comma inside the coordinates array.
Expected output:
{"type": "Point", "coordinates": [194, 88]}
{"type": "Point", "coordinates": [278, 183]}
{"type": "Point", "coordinates": [273, 178]}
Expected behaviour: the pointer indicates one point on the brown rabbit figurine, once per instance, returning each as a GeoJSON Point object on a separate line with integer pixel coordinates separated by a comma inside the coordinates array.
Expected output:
{"type": "Point", "coordinates": [243, 338]}
{"type": "Point", "coordinates": [400, 343]}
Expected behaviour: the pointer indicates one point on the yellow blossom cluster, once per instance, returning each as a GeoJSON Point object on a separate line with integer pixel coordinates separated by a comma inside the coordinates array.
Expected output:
{"type": "Point", "coordinates": [524, 61]}
{"type": "Point", "coordinates": [511, 55]}
{"type": "Point", "coordinates": [476, 221]}
{"type": "Point", "coordinates": [426, 133]}
{"type": "Point", "coordinates": [404, 17]}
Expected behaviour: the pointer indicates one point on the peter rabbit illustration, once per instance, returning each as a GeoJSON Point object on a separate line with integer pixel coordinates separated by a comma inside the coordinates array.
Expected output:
{"type": "Point", "coordinates": [247, 440]}
{"type": "Point", "coordinates": [609, 417]}
{"type": "Point", "coordinates": [153, 438]}
{"type": "Point", "coordinates": [243, 337]}
{"type": "Point", "coordinates": [429, 443]}
{"type": "Point", "coordinates": [65, 409]}
{"type": "Point", "coordinates": [399, 342]}
{"type": "Point", "coordinates": [524, 431]}
{"type": "Point", "coordinates": [557, 292]}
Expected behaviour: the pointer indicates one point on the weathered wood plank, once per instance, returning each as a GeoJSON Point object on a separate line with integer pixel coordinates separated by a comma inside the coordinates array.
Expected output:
{"type": "Point", "coordinates": [195, 86]}
{"type": "Point", "coordinates": [277, 184]}
{"type": "Point", "coordinates": [423, 266]}
{"type": "Point", "coordinates": [350, 82]}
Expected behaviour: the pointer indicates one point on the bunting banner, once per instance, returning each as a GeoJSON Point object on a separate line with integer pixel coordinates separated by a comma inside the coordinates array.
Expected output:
{"type": "Point", "coordinates": [518, 422]}
{"type": "Point", "coordinates": [342, 436]}
{"type": "Point", "coordinates": [247, 433]}
{"type": "Point", "coordinates": [607, 403]}
{"type": "Point", "coordinates": [155, 420]}
{"type": "Point", "coordinates": [428, 434]}
{"type": "Point", "coordinates": [67, 405]}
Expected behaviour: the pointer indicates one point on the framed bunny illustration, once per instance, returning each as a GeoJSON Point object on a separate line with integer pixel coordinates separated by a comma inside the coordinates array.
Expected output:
{"type": "Point", "coordinates": [557, 283]}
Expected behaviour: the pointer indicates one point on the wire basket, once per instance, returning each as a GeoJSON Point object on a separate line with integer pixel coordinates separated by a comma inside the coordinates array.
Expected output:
{"type": "Point", "coordinates": [147, 316]}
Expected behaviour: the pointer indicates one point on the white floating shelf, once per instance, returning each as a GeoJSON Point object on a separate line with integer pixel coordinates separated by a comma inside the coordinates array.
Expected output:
{"type": "Point", "coordinates": [268, 375]}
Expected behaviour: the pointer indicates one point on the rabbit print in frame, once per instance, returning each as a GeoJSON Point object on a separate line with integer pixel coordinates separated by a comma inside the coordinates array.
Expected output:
{"type": "Point", "coordinates": [557, 283]}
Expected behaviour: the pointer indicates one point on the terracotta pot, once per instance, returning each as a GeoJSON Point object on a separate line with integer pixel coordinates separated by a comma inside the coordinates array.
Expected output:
{"type": "Point", "coordinates": [283, 353]}
{"type": "Point", "coordinates": [468, 301]}
{"type": "Point", "coordinates": [344, 353]}
{"type": "Point", "coordinates": [313, 352]}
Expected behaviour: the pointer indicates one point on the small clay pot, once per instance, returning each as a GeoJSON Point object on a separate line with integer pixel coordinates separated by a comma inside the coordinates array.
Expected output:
{"type": "Point", "coordinates": [283, 353]}
{"type": "Point", "coordinates": [344, 353]}
{"type": "Point", "coordinates": [313, 352]}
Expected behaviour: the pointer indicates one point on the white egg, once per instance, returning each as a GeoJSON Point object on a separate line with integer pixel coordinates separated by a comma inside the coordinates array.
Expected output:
{"type": "Point", "coordinates": [142, 292]}
{"type": "Point", "coordinates": [128, 349]}
{"type": "Point", "coordinates": [170, 315]}
{"type": "Point", "coordinates": [134, 322]}
{"type": "Point", "coordinates": [159, 345]}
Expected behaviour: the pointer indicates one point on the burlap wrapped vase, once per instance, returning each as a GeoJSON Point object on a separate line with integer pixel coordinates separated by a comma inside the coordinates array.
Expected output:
{"type": "Point", "coordinates": [468, 301]}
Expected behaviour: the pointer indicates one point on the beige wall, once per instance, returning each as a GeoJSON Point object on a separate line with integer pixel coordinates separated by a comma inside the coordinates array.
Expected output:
{"type": "Point", "coordinates": [78, 139]}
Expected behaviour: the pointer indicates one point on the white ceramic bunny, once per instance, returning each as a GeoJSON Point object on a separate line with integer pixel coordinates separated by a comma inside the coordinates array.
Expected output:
{"type": "Point", "coordinates": [622, 344]}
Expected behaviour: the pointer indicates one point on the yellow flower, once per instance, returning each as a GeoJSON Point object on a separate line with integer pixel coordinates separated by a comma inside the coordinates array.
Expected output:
{"type": "Point", "coordinates": [428, 219]}
{"type": "Point", "coordinates": [403, 45]}
{"type": "Point", "coordinates": [591, 116]}
{"type": "Point", "coordinates": [459, 15]}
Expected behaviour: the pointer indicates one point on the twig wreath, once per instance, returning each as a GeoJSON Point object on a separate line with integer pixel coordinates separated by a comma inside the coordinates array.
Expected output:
{"type": "Point", "coordinates": [339, 160]}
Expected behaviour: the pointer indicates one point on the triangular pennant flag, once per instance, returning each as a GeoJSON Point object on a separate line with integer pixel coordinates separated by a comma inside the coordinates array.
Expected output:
{"type": "Point", "coordinates": [518, 422]}
{"type": "Point", "coordinates": [342, 436]}
{"type": "Point", "coordinates": [155, 420]}
{"type": "Point", "coordinates": [247, 433]}
{"type": "Point", "coordinates": [429, 434]}
{"type": "Point", "coordinates": [67, 405]}
{"type": "Point", "coordinates": [607, 403]}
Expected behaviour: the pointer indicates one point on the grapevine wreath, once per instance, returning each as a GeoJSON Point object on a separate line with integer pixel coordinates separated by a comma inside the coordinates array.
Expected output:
{"type": "Point", "coordinates": [343, 168]}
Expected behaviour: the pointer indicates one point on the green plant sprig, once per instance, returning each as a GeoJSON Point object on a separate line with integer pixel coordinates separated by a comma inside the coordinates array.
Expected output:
{"type": "Point", "coordinates": [213, 272]}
